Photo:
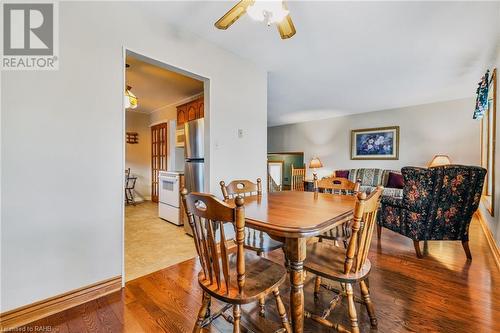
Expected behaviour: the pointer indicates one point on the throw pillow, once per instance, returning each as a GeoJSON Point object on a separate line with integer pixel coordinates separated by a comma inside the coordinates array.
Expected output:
{"type": "Point", "coordinates": [342, 174]}
{"type": "Point", "coordinates": [395, 180]}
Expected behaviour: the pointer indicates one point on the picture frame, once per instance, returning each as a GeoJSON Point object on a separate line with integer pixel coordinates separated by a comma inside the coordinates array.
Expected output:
{"type": "Point", "coordinates": [380, 143]}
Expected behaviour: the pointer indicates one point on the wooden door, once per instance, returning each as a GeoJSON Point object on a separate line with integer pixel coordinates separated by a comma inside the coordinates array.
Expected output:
{"type": "Point", "coordinates": [158, 156]}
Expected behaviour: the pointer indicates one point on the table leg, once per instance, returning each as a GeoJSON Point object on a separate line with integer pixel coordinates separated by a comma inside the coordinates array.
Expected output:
{"type": "Point", "coordinates": [296, 253]}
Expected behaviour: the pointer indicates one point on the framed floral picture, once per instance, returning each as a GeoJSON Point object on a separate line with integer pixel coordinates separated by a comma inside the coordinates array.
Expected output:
{"type": "Point", "coordinates": [375, 143]}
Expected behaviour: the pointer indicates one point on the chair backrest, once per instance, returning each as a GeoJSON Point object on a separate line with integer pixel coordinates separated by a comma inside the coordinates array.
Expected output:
{"type": "Point", "coordinates": [362, 225]}
{"type": "Point", "coordinates": [442, 200]}
{"type": "Point", "coordinates": [336, 185]}
{"type": "Point", "coordinates": [298, 176]}
{"type": "Point", "coordinates": [130, 182]}
{"type": "Point", "coordinates": [206, 216]}
{"type": "Point", "coordinates": [240, 187]}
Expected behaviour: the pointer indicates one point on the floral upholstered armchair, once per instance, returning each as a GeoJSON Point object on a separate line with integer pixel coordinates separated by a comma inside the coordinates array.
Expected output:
{"type": "Point", "coordinates": [437, 204]}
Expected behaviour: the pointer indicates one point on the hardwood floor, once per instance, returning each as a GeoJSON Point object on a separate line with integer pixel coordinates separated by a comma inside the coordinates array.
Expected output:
{"type": "Point", "coordinates": [440, 293]}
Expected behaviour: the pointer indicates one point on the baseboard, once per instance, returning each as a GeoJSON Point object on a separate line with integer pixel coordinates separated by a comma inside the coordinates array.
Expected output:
{"type": "Point", "coordinates": [489, 238]}
{"type": "Point", "coordinates": [26, 314]}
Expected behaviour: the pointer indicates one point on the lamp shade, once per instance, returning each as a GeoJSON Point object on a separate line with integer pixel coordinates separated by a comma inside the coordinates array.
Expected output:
{"type": "Point", "coordinates": [439, 160]}
{"type": "Point", "coordinates": [315, 163]}
{"type": "Point", "coordinates": [130, 99]}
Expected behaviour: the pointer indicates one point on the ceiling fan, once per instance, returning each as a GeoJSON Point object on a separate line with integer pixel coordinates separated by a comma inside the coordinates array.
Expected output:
{"type": "Point", "coordinates": [268, 11]}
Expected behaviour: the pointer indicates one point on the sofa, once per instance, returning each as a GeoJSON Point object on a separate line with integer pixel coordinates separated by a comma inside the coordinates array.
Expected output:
{"type": "Point", "coordinates": [437, 204]}
{"type": "Point", "coordinates": [370, 178]}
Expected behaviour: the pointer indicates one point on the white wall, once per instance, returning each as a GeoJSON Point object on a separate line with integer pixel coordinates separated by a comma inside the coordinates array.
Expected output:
{"type": "Point", "coordinates": [63, 147]}
{"type": "Point", "coordinates": [425, 130]}
{"type": "Point", "coordinates": [138, 156]}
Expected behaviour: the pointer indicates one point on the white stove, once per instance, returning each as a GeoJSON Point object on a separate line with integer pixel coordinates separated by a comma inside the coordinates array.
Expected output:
{"type": "Point", "coordinates": [168, 195]}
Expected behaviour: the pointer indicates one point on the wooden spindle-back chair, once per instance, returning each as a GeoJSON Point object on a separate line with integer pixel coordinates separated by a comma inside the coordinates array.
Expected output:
{"type": "Point", "coordinates": [348, 266]}
{"type": "Point", "coordinates": [255, 240]}
{"type": "Point", "coordinates": [336, 185]}
{"type": "Point", "coordinates": [230, 275]}
{"type": "Point", "coordinates": [298, 176]}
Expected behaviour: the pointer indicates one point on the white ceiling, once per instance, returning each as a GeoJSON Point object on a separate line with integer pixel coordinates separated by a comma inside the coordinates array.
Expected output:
{"type": "Point", "coordinates": [157, 88]}
{"type": "Point", "coordinates": [353, 57]}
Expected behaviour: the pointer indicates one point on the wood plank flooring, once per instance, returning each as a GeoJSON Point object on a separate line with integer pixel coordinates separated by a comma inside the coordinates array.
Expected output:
{"type": "Point", "coordinates": [440, 293]}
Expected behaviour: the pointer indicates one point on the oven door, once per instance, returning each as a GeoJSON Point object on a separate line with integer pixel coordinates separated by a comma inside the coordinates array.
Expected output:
{"type": "Point", "coordinates": [169, 190]}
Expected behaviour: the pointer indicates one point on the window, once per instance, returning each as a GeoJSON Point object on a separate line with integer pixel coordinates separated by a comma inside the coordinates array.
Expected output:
{"type": "Point", "coordinates": [488, 138]}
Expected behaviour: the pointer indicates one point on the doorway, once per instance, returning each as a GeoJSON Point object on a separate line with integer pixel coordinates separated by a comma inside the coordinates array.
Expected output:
{"type": "Point", "coordinates": [287, 159]}
{"type": "Point", "coordinates": [155, 97]}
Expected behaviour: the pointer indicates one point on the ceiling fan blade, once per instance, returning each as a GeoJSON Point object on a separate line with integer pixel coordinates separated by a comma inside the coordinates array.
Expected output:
{"type": "Point", "coordinates": [233, 14]}
{"type": "Point", "coordinates": [286, 28]}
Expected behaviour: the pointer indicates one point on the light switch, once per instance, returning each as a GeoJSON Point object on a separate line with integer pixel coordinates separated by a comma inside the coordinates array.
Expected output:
{"type": "Point", "coordinates": [240, 133]}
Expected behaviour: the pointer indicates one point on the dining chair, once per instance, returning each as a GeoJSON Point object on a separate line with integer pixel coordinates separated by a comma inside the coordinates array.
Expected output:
{"type": "Point", "coordinates": [347, 266]}
{"type": "Point", "coordinates": [231, 275]}
{"type": "Point", "coordinates": [298, 176]}
{"type": "Point", "coordinates": [255, 240]}
{"type": "Point", "coordinates": [336, 185]}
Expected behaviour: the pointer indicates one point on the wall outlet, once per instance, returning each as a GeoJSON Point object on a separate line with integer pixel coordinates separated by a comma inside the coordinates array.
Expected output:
{"type": "Point", "coordinates": [240, 133]}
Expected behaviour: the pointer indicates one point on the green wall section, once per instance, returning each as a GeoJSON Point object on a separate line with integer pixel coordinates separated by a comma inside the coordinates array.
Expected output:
{"type": "Point", "coordinates": [288, 159]}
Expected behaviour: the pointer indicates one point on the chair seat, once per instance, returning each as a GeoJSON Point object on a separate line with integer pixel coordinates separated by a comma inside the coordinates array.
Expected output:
{"type": "Point", "coordinates": [262, 276]}
{"type": "Point", "coordinates": [260, 241]}
{"type": "Point", "coordinates": [327, 260]}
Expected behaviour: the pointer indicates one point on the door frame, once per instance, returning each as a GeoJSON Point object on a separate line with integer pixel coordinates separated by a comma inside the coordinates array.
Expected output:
{"type": "Point", "coordinates": [140, 54]}
{"type": "Point", "coordinates": [269, 175]}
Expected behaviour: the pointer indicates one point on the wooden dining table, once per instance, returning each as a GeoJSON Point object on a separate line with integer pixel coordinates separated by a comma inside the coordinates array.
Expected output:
{"type": "Point", "coordinates": [292, 217]}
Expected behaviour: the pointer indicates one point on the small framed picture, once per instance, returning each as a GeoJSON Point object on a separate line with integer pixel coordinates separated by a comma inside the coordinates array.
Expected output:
{"type": "Point", "coordinates": [375, 143]}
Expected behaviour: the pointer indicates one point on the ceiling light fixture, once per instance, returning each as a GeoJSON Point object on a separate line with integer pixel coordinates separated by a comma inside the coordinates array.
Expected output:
{"type": "Point", "coordinates": [130, 99]}
{"type": "Point", "coordinates": [271, 12]}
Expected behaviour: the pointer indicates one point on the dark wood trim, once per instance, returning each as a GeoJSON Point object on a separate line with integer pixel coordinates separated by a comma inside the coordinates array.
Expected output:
{"type": "Point", "coordinates": [12, 319]}
{"type": "Point", "coordinates": [287, 153]}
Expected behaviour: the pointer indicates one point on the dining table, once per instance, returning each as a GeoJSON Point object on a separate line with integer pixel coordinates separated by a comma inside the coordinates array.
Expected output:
{"type": "Point", "coordinates": [293, 217]}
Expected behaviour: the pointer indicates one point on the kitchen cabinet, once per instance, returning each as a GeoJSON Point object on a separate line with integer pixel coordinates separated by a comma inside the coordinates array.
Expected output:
{"type": "Point", "coordinates": [192, 110]}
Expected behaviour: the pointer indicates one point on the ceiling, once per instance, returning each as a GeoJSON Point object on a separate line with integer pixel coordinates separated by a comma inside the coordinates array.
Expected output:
{"type": "Point", "coordinates": [354, 57]}
{"type": "Point", "coordinates": [156, 87]}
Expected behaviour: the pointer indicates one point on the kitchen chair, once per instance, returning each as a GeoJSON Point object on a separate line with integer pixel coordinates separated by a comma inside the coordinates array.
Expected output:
{"type": "Point", "coordinates": [255, 240]}
{"type": "Point", "coordinates": [336, 185]}
{"type": "Point", "coordinates": [129, 187]}
{"type": "Point", "coordinates": [298, 176]}
{"type": "Point", "coordinates": [348, 266]}
{"type": "Point", "coordinates": [232, 276]}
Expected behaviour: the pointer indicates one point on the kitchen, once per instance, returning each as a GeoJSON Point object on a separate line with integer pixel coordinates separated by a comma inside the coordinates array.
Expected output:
{"type": "Point", "coordinates": [164, 146]}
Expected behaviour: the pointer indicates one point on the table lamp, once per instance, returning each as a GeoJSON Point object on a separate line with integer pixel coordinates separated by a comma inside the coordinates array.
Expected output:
{"type": "Point", "coordinates": [439, 160]}
{"type": "Point", "coordinates": [315, 164]}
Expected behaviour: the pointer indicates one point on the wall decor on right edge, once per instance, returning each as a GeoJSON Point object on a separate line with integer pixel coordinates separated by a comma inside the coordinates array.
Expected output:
{"type": "Point", "coordinates": [380, 143]}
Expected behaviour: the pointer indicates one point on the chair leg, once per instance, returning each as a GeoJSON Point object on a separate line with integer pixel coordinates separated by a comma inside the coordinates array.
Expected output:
{"type": "Point", "coordinates": [262, 305]}
{"type": "Point", "coordinates": [416, 244]}
{"type": "Point", "coordinates": [352, 309]}
{"type": "Point", "coordinates": [317, 287]}
{"type": "Point", "coordinates": [365, 292]}
{"type": "Point", "coordinates": [208, 313]}
{"type": "Point", "coordinates": [465, 245]}
{"type": "Point", "coordinates": [201, 314]}
{"type": "Point", "coordinates": [379, 231]}
{"type": "Point", "coordinates": [237, 318]}
{"type": "Point", "coordinates": [282, 311]}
